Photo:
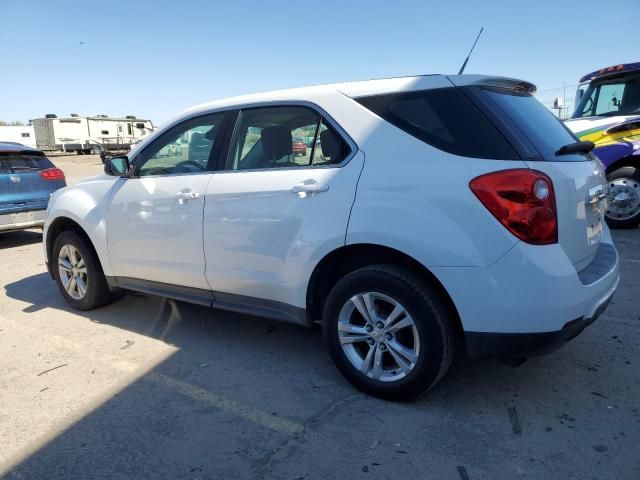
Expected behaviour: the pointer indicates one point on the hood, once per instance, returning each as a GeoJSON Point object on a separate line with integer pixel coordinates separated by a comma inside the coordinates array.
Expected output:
{"type": "Point", "coordinates": [592, 128]}
{"type": "Point", "coordinates": [614, 137]}
{"type": "Point", "coordinates": [96, 178]}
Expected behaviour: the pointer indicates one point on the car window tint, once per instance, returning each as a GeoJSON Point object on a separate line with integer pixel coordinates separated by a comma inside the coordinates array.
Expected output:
{"type": "Point", "coordinates": [538, 124]}
{"type": "Point", "coordinates": [186, 148]}
{"type": "Point", "coordinates": [330, 147]}
{"type": "Point", "coordinates": [445, 119]}
{"type": "Point", "coordinates": [284, 137]}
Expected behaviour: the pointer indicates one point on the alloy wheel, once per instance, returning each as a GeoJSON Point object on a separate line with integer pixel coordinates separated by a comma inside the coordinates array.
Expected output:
{"type": "Point", "coordinates": [378, 336]}
{"type": "Point", "coordinates": [73, 272]}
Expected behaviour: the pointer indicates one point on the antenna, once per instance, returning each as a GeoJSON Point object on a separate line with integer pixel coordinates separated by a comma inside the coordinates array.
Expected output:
{"type": "Point", "coordinates": [470, 51]}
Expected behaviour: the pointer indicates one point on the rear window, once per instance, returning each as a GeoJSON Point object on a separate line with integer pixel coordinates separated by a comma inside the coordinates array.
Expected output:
{"type": "Point", "coordinates": [17, 162]}
{"type": "Point", "coordinates": [444, 118]}
{"type": "Point", "coordinates": [541, 127]}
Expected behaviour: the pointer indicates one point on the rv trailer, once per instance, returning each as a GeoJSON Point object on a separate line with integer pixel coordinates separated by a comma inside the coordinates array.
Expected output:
{"type": "Point", "coordinates": [23, 134]}
{"type": "Point", "coordinates": [89, 134]}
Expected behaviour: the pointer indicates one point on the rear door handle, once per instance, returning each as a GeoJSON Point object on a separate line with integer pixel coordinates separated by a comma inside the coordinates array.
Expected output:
{"type": "Point", "coordinates": [595, 194]}
{"type": "Point", "coordinates": [186, 195]}
{"type": "Point", "coordinates": [310, 186]}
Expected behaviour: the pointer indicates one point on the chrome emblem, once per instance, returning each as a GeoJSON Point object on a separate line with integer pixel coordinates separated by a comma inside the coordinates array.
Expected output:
{"type": "Point", "coordinates": [15, 179]}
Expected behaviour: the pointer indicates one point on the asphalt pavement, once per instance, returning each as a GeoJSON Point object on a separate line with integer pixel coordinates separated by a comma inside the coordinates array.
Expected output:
{"type": "Point", "coordinates": [152, 388]}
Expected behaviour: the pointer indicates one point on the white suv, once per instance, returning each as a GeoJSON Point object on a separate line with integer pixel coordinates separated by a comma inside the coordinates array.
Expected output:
{"type": "Point", "coordinates": [429, 212]}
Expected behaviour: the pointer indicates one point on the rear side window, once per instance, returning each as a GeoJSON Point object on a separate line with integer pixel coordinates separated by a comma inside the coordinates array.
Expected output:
{"type": "Point", "coordinates": [444, 118]}
{"type": "Point", "coordinates": [284, 137]}
{"type": "Point", "coordinates": [541, 127]}
{"type": "Point", "coordinates": [17, 162]}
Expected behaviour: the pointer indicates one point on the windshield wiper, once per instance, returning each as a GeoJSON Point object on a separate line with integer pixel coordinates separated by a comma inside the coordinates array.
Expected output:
{"type": "Point", "coordinates": [581, 148]}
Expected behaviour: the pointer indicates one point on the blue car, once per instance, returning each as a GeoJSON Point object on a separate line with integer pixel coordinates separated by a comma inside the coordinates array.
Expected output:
{"type": "Point", "coordinates": [27, 180]}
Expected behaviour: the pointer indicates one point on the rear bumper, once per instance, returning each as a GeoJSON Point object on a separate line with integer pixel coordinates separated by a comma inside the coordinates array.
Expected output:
{"type": "Point", "coordinates": [532, 300]}
{"type": "Point", "coordinates": [22, 220]}
{"type": "Point", "coordinates": [482, 346]}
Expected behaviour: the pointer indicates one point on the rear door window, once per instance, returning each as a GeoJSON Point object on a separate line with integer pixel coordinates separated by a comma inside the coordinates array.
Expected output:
{"type": "Point", "coordinates": [284, 137]}
{"type": "Point", "coordinates": [444, 118]}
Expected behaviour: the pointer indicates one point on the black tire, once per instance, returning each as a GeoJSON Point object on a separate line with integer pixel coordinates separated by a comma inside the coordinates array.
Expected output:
{"type": "Point", "coordinates": [632, 176]}
{"type": "Point", "coordinates": [97, 291]}
{"type": "Point", "coordinates": [429, 314]}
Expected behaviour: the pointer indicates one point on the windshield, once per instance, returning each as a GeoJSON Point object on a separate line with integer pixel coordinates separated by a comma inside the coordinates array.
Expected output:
{"type": "Point", "coordinates": [618, 96]}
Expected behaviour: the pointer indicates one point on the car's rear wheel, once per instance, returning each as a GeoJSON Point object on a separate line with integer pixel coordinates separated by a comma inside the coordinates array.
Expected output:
{"type": "Point", "coordinates": [388, 332]}
{"type": "Point", "coordinates": [78, 272]}
{"type": "Point", "coordinates": [623, 209]}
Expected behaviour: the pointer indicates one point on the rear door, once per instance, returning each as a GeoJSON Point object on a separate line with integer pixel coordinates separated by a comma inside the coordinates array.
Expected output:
{"type": "Point", "coordinates": [23, 186]}
{"type": "Point", "coordinates": [271, 211]}
{"type": "Point", "coordinates": [578, 180]}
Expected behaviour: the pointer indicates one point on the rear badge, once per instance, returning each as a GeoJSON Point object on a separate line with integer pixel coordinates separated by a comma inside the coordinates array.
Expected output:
{"type": "Point", "coordinates": [15, 179]}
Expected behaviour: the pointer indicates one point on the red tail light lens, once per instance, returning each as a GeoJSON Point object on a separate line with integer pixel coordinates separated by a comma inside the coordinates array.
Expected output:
{"type": "Point", "coordinates": [52, 174]}
{"type": "Point", "coordinates": [523, 201]}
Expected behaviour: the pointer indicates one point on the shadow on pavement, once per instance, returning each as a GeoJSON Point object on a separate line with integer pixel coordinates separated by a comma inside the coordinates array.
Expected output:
{"type": "Point", "coordinates": [244, 397]}
{"type": "Point", "coordinates": [19, 238]}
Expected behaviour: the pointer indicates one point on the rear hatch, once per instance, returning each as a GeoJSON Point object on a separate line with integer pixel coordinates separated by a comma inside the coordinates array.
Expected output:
{"type": "Point", "coordinates": [27, 179]}
{"type": "Point", "coordinates": [578, 179]}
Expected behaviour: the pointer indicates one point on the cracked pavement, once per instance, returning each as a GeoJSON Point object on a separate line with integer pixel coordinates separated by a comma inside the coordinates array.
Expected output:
{"type": "Point", "coordinates": [150, 388]}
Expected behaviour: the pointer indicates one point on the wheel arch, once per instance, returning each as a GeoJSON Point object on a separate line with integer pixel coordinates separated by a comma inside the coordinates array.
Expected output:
{"type": "Point", "coordinates": [630, 161]}
{"type": "Point", "coordinates": [55, 228]}
{"type": "Point", "coordinates": [349, 258]}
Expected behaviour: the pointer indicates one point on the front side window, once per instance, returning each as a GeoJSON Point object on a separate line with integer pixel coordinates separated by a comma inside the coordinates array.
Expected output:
{"type": "Point", "coordinates": [619, 96]}
{"type": "Point", "coordinates": [445, 119]}
{"type": "Point", "coordinates": [284, 137]}
{"type": "Point", "coordinates": [186, 148]}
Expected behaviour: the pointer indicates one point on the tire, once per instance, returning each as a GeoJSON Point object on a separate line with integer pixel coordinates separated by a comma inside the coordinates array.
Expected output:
{"type": "Point", "coordinates": [426, 319]}
{"type": "Point", "coordinates": [70, 246]}
{"type": "Point", "coordinates": [624, 213]}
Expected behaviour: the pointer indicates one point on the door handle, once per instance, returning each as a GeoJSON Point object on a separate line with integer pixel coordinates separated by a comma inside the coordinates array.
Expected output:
{"type": "Point", "coordinates": [595, 194]}
{"type": "Point", "coordinates": [185, 195]}
{"type": "Point", "coordinates": [310, 186]}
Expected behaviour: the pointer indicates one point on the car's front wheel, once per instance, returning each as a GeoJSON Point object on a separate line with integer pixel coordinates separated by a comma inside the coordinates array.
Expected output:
{"type": "Point", "coordinates": [78, 272]}
{"type": "Point", "coordinates": [623, 209]}
{"type": "Point", "coordinates": [388, 332]}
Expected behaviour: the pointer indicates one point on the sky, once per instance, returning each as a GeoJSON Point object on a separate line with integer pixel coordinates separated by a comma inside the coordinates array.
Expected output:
{"type": "Point", "coordinates": [153, 59]}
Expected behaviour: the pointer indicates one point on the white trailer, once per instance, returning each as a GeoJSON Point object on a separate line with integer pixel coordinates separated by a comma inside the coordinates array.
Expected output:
{"type": "Point", "coordinates": [22, 134]}
{"type": "Point", "coordinates": [87, 134]}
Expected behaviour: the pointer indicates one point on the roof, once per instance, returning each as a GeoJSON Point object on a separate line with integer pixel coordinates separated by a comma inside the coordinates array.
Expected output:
{"type": "Point", "coordinates": [16, 147]}
{"type": "Point", "coordinates": [353, 89]}
{"type": "Point", "coordinates": [620, 69]}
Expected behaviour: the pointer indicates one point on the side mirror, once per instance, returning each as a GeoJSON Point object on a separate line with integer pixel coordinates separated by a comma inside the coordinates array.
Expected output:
{"type": "Point", "coordinates": [116, 166]}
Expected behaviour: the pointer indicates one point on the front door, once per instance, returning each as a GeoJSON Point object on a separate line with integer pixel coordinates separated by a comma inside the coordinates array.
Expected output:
{"type": "Point", "coordinates": [281, 203]}
{"type": "Point", "coordinates": [154, 219]}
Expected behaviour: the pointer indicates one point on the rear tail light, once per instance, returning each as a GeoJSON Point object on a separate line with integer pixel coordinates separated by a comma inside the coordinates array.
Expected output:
{"type": "Point", "coordinates": [52, 174]}
{"type": "Point", "coordinates": [523, 201]}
